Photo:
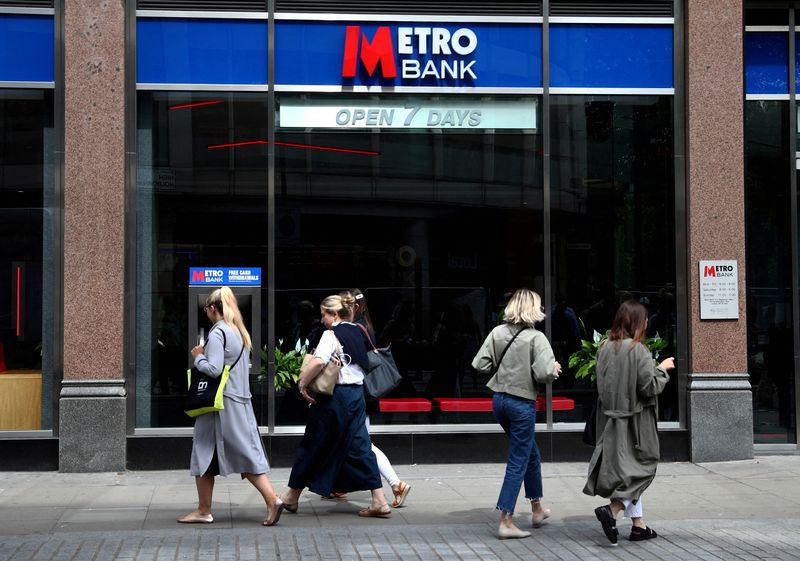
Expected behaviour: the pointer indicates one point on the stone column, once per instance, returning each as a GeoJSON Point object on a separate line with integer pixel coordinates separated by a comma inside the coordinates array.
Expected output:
{"type": "Point", "coordinates": [719, 397]}
{"type": "Point", "coordinates": [92, 408]}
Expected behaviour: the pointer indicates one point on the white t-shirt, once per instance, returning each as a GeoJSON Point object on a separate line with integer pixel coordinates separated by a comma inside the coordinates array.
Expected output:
{"type": "Point", "coordinates": [328, 346]}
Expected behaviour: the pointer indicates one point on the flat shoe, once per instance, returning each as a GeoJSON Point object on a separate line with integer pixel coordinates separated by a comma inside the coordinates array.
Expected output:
{"type": "Point", "coordinates": [641, 534]}
{"type": "Point", "coordinates": [539, 517]}
{"type": "Point", "coordinates": [506, 533]}
{"type": "Point", "coordinates": [606, 517]}
{"type": "Point", "coordinates": [401, 494]}
{"type": "Point", "coordinates": [334, 497]}
{"type": "Point", "coordinates": [382, 511]}
{"type": "Point", "coordinates": [196, 519]}
{"type": "Point", "coordinates": [273, 517]}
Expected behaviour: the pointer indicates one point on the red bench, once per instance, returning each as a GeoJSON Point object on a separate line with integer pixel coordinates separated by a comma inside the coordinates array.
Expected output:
{"type": "Point", "coordinates": [404, 405]}
{"type": "Point", "coordinates": [482, 404]}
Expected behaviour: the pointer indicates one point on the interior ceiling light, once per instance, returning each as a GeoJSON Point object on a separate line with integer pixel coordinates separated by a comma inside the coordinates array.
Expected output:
{"type": "Point", "coordinates": [198, 104]}
{"type": "Point", "coordinates": [296, 145]}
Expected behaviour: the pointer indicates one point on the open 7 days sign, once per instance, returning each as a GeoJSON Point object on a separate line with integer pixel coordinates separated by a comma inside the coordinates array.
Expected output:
{"type": "Point", "coordinates": [360, 113]}
{"type": "Point", "coordinates": [719, 290]}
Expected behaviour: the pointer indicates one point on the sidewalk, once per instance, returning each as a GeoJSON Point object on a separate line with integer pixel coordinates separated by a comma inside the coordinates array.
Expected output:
{"type": "Point", "coordinates": [731, 510]}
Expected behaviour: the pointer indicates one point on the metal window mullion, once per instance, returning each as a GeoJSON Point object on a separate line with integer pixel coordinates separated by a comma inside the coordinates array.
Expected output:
{"type": "Point", "coordinates": [681, 211]}
{"type": "Point", "coordinates": [548, 250]}
{"type": "Point", "coordinates": [792, 119]}
{"type": "Point", "coordinates": [270, 276]}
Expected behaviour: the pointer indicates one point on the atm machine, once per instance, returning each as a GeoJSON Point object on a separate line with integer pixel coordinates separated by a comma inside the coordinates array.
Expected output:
{"type": "Point", "coordinates": [245, 282]}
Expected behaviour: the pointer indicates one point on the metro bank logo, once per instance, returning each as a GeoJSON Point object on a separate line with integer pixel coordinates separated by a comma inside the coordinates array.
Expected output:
{"type": "Point", "coordinates": [717, 271]}
{"type": "Point", "coordinates": [442, 45]}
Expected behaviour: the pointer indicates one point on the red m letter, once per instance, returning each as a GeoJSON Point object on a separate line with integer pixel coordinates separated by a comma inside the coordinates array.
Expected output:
{"type": "Point", "coordinates": [197, 276]}
{"type": "Point", "coordinates": [379, 50]}
{"type": "Point", "coordinates": [709, 271]}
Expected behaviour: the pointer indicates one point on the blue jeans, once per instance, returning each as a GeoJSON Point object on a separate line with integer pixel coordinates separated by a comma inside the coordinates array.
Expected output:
{"type": "Point", "coordinates": [517, 416]}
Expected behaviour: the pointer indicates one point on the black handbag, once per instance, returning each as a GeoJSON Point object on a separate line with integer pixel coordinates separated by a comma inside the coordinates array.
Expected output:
{"type": "Point", "coordinates": [205, 392]}
{"type": "Point", "coordinates": [590, 430]}
{"type": "Point", "coordinates": [382, 375]}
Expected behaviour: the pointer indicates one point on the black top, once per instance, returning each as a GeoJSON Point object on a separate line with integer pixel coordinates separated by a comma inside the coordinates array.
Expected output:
{"type": "Point", "coordinates": [354, 343]}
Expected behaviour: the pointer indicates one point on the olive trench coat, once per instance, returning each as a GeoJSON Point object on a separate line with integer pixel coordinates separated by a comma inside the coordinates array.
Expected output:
{"type": "Point", "coordinates": [626, 456]}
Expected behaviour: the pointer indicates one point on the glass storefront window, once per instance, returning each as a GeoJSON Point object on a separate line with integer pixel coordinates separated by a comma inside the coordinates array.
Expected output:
{"type": "Point", "coordinates": [613, 226]}
{"type": "Point", "coordinates": [769, 270]}
{"type": "Point", "coordinates": [28, 255]}
{"type": "Point", "coordinates": [201, 201]}
{"type": "Point", "coordinates": [435, 225]}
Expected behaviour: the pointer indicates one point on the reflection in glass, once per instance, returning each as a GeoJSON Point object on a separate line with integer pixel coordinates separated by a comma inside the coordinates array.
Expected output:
{"type": "Point", "coordinates": [201, 201]}
{"type": "Point", "coordinates": [435, 226]}
{"type": "Point", "coordinates": [769, 271]}
{"type": "Point", "coordinates": [613, 226]}
{"type": "Point", "coordinates": [28, 249]}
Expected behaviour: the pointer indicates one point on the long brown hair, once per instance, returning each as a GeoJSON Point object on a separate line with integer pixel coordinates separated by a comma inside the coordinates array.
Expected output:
{"type": "Point", "coordinates": [630, 322]}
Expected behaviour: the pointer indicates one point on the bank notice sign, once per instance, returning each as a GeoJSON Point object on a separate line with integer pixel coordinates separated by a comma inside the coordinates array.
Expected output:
{"type": "Point", "coordinates": [719, 289]}
{"type": "Point", "coordinates": [364, 113]}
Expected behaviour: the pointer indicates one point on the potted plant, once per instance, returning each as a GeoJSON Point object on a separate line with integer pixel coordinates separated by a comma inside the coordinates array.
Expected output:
{"type": "Point", "coordinates": [585, 358]}
{"type": "Point", "coordinates": [287, 365]}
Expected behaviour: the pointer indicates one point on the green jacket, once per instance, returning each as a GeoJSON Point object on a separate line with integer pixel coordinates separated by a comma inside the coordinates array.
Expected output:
{"type": "Point", "coordinates": [626, 456]}
{"type": "Point", "coordinates": [529, 357]}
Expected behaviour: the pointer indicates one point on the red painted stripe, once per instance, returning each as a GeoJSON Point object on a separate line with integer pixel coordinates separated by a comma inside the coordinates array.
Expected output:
{"type": "Point", "coordinates": [294, 145]}
{"type": "Point", "coordinates": [234, 144]}
{"type": "Point", "coordinates": [198, 104]}
{"type": "Point", "coordinates": [328, 148]}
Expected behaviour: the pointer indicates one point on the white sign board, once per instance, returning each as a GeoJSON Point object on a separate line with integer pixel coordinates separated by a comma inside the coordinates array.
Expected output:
{"type": "Point", "coordinates": [719, 289]}
{"type": "Point", "coordinates": [364, 113]}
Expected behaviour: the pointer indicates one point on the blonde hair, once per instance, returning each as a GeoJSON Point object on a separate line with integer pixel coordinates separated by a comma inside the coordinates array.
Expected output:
{"type": "Point", "coordinates": [525, 307]}
{"type": "Point", "coordinates": [343, 306]}
{"type": "Point", "coordinates": [225, 301]}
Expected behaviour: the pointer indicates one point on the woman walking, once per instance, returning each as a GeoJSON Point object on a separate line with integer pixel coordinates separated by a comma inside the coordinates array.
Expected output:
{"type": "Point", "coordinates": [400, 488]}
{"type": "Point", "coordinates": [335, 454]}
{"type": "Point", "coordinates": [228, 441]}
{"type": "Point", "coordinates": [518, 356]}
{"type": "Point", "coordinates": [626, 454]}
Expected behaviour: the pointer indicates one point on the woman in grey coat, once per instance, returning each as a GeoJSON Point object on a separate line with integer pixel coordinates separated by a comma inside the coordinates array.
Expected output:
{"type": "Point", "coordinates": [228, 441]}
{"type": "Point", "coordinates": [626, 456]}
{"type": "Point", "coordinates": [517, 356]}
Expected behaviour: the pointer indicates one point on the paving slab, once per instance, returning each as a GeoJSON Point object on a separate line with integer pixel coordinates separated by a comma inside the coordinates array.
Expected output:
{"type": "Point", "coordinates": [731, 510]}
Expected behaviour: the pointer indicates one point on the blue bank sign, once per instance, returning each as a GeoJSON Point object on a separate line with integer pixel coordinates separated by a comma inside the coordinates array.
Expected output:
{"type": "Point", "coordinates": [224, 276]}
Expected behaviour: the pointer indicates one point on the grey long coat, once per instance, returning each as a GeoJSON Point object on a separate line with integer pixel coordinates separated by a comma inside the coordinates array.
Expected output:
{"type": "Point", "coordinates": [626, 455]}
{"type": "Point", "coordinates": [232, 431]}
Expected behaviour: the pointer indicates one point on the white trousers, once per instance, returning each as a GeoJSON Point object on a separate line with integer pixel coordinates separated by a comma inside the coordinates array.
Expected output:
{"type": "Point", "coordinates": [384, 465]}
{"type": "Point", "coordinates": [632, 510]}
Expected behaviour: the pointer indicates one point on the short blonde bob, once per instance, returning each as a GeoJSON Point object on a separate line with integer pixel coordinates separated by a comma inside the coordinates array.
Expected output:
{"type": "Point", "coordinates": [525, 307]}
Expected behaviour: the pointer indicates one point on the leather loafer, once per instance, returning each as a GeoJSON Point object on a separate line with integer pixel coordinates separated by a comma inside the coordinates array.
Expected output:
{"type": "Point", "coordinates": [539, 517]}
{"type": "Point", "coordinates": [506, 533]}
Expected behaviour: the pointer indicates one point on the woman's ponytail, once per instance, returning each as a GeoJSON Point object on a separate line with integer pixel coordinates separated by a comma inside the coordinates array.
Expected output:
{"type": "Point", "coordinates": [232, 315]}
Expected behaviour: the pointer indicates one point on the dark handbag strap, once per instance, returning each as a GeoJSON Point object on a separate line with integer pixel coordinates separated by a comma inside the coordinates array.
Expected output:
{"type": "Point", "coordinates": [503, 354]}
{"type": "Point", "coordinates": [371, 344]}
{"type": "Point", "coordinates": [225, 344]}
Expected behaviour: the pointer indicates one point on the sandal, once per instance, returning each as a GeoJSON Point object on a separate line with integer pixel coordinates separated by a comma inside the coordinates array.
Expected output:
{"type": "Point", "coordinates": [382, 511]}
{"type": "Point", "coordinates": [334, 497]}
{"type": "Point", "coordinates": [400, 495]}
{"type": "Point", "coordinates": [287, 506]}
